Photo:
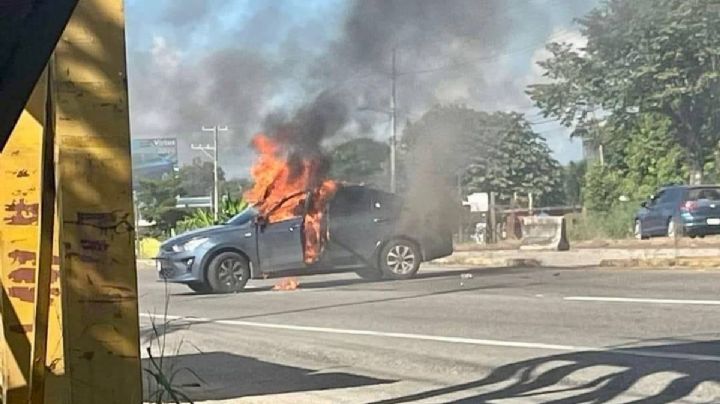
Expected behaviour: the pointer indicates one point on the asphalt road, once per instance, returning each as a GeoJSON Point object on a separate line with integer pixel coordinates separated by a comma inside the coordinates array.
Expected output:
{"type": "Point", "coordinates": [452, 335]}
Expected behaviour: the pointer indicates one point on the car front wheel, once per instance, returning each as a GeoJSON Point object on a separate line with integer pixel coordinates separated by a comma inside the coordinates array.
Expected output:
{"type": "Point", "coordinates": [228, 272]}
{"type": "Point", "coordinates": [638, 230]}
{"type": "Point", "coordinates": [400, 259]}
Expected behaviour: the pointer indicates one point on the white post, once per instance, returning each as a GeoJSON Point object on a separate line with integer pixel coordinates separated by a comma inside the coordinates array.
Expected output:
{"type": "Point", "coordinates": [214, 148]}
{"type": "Point", "coordinates": [393, 136]}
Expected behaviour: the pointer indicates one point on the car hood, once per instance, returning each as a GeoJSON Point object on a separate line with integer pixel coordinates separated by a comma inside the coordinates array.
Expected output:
{"type": "Point", "coordinates": [204, 232]}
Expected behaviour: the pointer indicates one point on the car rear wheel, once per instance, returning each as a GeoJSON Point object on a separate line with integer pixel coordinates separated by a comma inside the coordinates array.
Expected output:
{"type": "Point", "coordinates": [228, 272]}
{"type": "Point", "coordinates": [400, 259]}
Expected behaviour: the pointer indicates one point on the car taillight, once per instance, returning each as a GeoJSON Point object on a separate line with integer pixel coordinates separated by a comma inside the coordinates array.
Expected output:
{"type": "Point", "coordinates": [689, 206]}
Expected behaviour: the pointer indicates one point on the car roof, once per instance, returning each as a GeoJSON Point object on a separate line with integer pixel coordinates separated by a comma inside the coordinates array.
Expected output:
{"type": "Point", "coordinates": [701, 186]}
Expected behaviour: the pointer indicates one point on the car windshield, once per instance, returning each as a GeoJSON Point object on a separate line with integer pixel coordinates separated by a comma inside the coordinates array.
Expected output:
{"type": "Point", "coordinates": [243, 217]}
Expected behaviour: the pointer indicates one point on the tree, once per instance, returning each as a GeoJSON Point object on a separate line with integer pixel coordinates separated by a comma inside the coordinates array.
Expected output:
{"type": "Point", "coordinates": [197, 178]}
{"type": "Point", "coordinates": [157, 200]}
{"type": "Point", "coordinates": [487, 152]}
{"type": "Point", "coordinates": [574, 179]}
{"type": "Point", "coordinates": [642, 56]}
{"type": "Point", "coordinates": [602, 188]}
{"type": "Point", "coordinates": [359, 161]}
{"type": "Point", "coordinates": [235, 187]}
{"type": "Point", "coordinates": [652, 158]}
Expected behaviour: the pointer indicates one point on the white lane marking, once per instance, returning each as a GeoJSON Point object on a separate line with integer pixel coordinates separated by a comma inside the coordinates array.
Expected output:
{"type": "Point", "coordinates": [438, 338]}
{"type": "Point", "coordinates": [641, 300]}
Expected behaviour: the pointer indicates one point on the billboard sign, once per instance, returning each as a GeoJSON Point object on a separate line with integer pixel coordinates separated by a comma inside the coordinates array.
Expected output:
{"type": "Point", "coordinates": [154, 157]}
{"type": "Point", "coordinates": [161, 148]}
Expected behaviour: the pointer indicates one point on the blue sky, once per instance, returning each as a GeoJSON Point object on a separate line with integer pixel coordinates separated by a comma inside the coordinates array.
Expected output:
{"type": "Point", "coordinates": [176, 45]}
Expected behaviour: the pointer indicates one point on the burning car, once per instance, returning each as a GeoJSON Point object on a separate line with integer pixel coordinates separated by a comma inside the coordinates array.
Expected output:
{"type": "Point", "coordinates": [329, 228]}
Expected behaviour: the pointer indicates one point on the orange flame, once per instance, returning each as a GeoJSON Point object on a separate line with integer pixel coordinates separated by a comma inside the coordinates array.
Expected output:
{"type": "Point", "coordinates": [280, 192]}
{"type": "Point", "coordinates": [287, 284]}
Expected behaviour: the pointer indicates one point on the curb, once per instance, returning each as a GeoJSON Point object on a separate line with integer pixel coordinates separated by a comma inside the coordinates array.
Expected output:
{"type": "Point", "coordinates": [489, 262]}
{"type": "Point", "coordinates": [679, 262]}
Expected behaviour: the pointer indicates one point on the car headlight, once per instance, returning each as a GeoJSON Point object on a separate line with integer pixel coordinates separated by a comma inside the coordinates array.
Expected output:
{"type": "Point", "coordinates": [190, 245]}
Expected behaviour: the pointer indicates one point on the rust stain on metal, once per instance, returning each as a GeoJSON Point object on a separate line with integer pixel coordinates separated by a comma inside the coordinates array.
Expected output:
{"type": "Point", "coordinates": [27, 294]}
{"type": "Point", "coordinates": [22, 213]}
{"type": "Point", "coordinates": [24, 293]}
{"type": "Point", "coordinates": [27, 275]}
{"type": "Point", "coordinates": [22, 174]}
{"type": "Point", "coordinates": [23, 257]}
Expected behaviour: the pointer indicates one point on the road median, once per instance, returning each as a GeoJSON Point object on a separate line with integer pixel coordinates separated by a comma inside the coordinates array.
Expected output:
{"type": "Point", "coordinates": [597, 257]}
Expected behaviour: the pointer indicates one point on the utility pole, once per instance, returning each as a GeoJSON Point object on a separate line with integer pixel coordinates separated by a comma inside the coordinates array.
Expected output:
{"type": "Point", "coordinates": [393, 136]}
{"type": "Point", "coordinates": [214, 157]}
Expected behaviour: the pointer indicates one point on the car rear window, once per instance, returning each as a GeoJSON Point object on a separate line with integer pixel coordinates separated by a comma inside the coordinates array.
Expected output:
{"type": "Point", "coordinates": [712, 194]}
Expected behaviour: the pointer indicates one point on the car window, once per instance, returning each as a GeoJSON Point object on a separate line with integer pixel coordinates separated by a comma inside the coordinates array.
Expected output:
{"type": "Point", "coordinates": [384, 201]}
{"type": "Point", "coordinates": [243, 217]}
{"type": "Point", "coordinates": [712, 194]}
{"type": "Point", "coordinates": [657, 198]}
{"type": "Point", "coordinates": [348, 201]}
{"type": "Point", "coordinates": [665, 196]}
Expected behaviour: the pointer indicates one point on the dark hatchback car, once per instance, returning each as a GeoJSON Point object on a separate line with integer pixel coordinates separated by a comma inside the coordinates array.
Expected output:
{"type": "Point", "coordinates": [680, 210]}
{"type": "Point", "coordinates": [368, 233]}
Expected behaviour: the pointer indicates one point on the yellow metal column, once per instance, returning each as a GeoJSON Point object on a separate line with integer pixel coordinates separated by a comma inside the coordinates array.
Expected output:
{"type": "Point", "coordinates": [19, 235]}
{"type": "Point", "coordinates": [100, 310]}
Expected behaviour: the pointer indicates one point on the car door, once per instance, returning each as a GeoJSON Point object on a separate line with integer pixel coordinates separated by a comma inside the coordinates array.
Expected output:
{"type": "Point", "coordinates": [662, 208]}
{"type": "Point", "coordinates": [650, 217]}
{"type": "Point", "coordinates": [348, 222]}
{"type": "Point", "coordinates": [665, 209]}
{"type": "Point", "coordinates": [280, 245]}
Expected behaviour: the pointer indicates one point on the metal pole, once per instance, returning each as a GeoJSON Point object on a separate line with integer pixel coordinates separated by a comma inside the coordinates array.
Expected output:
{"type": "Point", "coordinates": [393, 137]}
{"type": "Point", "coordinates": [215, 158]}
{"type": "Point", "coordinates": [492, 219]}
{"type": "Point", "coordinates": [216, 198]}
{"type": "Point", "coordinates": [461, 221]}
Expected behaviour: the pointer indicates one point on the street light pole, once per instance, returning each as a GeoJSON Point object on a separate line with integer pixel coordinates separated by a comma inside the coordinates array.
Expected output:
{"type": "Point", "coordinates": [214, 157]}
{"type": "Point", "coordinates": [393, 136]}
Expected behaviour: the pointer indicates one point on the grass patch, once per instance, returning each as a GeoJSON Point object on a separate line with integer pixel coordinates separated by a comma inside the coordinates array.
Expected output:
{"type": "Point", "coordinates": [617, 223]}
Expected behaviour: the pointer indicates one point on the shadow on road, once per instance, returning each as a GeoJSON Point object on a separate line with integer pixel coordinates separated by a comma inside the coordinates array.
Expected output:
{"type": "Point", "coordinates": [526, 379]}
{"type": "Point", "coordinates": [224, 376]}
{"type": "Point", "coordinates": [308, 283]}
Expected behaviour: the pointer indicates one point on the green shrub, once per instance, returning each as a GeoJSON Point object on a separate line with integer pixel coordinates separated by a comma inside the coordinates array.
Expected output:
{"type": "Point", "coordinates": [204, 217]}
{"type": "Point", "coordinates": [616, 223]}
